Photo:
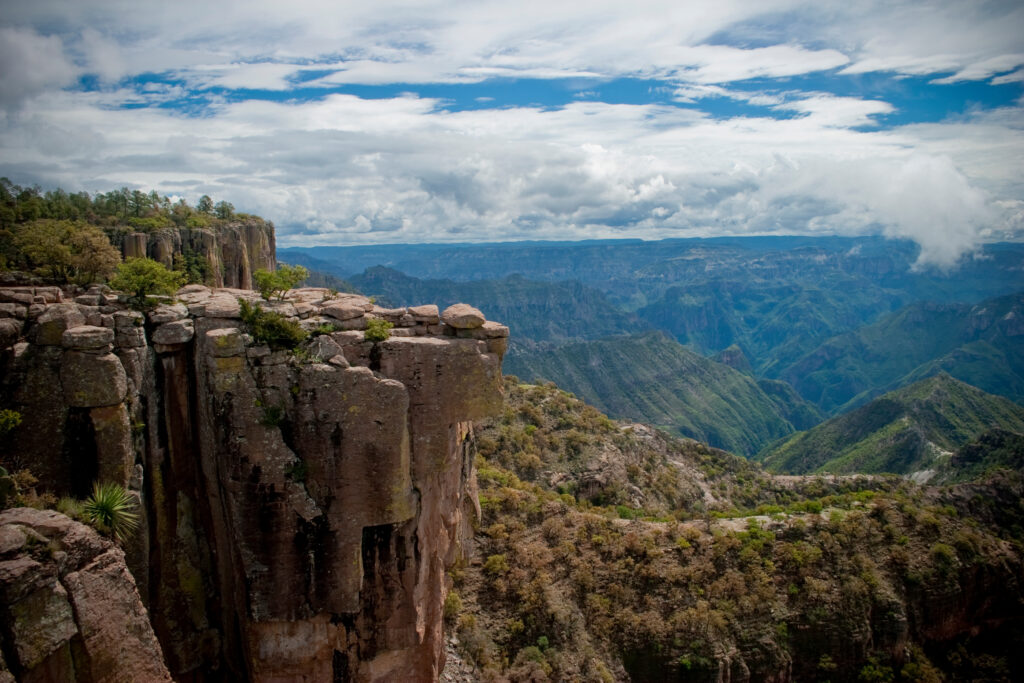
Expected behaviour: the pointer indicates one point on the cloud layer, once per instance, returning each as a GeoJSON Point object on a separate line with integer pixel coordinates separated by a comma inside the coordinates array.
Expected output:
{"type": "Point", "coordinates": [335, 168]}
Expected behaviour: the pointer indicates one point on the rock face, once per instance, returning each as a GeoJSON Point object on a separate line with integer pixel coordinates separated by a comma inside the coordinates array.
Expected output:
{"type": "Point", "coordinates": [69, 605]}
{"type": "Point", "coordinates": [232, 252]}
{"type": "Point", "coordinates": [301, 509]}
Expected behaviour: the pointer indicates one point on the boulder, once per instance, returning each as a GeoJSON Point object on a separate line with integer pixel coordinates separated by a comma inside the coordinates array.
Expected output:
{"type": "Point", "coordinates": [53, 322]}
{"type": "Point", "coordinates": [427, 315]}
{"type": "Point", "coordinates": [343, 311]}
{"type": "Point", "coordinates": [463, 317]}
{"type": "Point", "coordinates": [168, 313]}
{"type": "Point", "coordinates": [70, 607]}
{"type": "Point", "coordinates": [177, 332]}
{"type": "Point", "coordinates": [85, 337]}
{"type": "Point", "coordinates": [10, 331]}
{"type": "Point", "coordinates": [90, 381]}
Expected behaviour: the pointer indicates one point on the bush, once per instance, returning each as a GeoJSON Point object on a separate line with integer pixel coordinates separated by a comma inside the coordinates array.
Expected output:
{"type": "Point", "coordinates": [111, 510]}
{"type": "Point", "coordinates": [144, 277]}
{"type": "Point", "coordinates": [9, 419]}
{"type": "Point", "coordinates": [377, 330]}
{"type": "Point", "coordinates": [278, 283]}
{"type": "Point", "coordinates": [270, 328]}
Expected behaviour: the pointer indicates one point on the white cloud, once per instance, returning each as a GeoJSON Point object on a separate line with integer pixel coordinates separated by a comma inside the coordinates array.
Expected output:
{"type": "Point", "coordinates": [32, 64]}
{"type": "Point", "coordinates": [348, 170]}
{"type": "Point", "coordinates": [839, 112]}
{"type": "Point", "coordinates": [979, 71]}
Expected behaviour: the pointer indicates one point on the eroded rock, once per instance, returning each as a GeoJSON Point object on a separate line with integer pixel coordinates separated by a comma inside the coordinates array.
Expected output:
{"type": "Point", "coordinates": [462, 317]}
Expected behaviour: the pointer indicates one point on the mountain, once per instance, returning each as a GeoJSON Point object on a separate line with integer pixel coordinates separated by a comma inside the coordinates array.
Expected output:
{"type": "Point", "coordinates": [653, 378]}
{"type": "Point", "coordinates": [910, 430]}
{"type": "Point", "coordinates": [982, 344]}
{"type": "Point", "coordinates": [609, 551]}
{"type": "Point", "coordinates": [996, 449]}
{"type": "Point", "coordinates": [535, 311]}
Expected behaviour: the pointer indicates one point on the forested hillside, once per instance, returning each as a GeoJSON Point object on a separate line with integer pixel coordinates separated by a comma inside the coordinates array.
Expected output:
{"type": "Point", "coordinates": [654, 379]}
{"type": "Point", "coordinates": [911, 430]}
{"type": "Point", "coordinates": [64, 238]}
{"type": "Point", "coordinates": [607, 551]}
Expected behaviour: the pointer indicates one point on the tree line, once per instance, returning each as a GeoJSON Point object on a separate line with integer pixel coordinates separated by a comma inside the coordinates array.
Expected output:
{"type": "Point", "coordinates": [67, 237]}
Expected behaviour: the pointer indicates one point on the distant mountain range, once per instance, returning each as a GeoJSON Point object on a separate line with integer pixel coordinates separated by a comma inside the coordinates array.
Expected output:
{"type": "Point", "coordinates": [759, 336]}
{"type": "Point", "coordinates": [911, 430]}
{"type": "Point", "coordinates": [982, 344]}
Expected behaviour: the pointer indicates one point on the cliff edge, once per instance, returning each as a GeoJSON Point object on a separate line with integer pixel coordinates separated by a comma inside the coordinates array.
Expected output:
{"type": "Point", "coordinates": [301, 506]}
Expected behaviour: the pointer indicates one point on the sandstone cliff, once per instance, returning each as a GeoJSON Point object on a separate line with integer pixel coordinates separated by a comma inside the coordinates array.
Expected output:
{"type": "Point", "coordinates": [301, 507]}
{"type": "Point", "coordinates": [227, 254]}
{"type": "Point", "coordinates": [68, 605]}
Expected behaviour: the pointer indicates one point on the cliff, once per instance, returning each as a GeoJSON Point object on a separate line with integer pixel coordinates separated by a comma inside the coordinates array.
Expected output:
{"type": "Point", "coordinates": [225, 255]}
{"type": "Point", "coordinates": [300, 506]}
{"type": "Point", "coordinates": [69, 607]}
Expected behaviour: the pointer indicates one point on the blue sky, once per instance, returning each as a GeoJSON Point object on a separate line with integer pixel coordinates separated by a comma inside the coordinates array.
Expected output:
{"type": "Point", "coordinates": [357, 123]}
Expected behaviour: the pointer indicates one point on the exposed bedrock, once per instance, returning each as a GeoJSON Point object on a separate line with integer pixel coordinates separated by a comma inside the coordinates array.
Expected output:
{"type": "Point", "coordinates": [231, 252]}
{"type": "Point", "coordinates": [301, 507]}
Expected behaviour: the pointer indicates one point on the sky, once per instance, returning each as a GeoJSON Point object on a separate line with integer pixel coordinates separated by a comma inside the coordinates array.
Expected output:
{"type": "Point", "coordinates": [401, 122]}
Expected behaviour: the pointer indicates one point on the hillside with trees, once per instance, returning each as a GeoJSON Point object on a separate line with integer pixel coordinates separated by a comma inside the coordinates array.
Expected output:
{"type": "Point", "coordinates": [77, 238]}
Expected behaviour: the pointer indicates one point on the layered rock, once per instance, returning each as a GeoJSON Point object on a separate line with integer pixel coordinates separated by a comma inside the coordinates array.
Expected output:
{"type": "Point", "coordinates": [301, 507]}
{"type": "Point", "coordinates": [68, 604]}
{"type": "Point", "coordinates": [232, 252]}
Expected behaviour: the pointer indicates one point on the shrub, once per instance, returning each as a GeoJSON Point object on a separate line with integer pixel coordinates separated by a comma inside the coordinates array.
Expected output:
{"type": "Point", "coordinates": [143, 277]}
{"type": "Point", "coordinates": [276, 284]}
{"type": "Point", "coordinates": [111, 510]}
{"type": "Point", "coordinates": [377, 330]}
{"type": "Point", "coordinates": [271, 328]}
{"type": "Point", "coordinates": [9, 419]}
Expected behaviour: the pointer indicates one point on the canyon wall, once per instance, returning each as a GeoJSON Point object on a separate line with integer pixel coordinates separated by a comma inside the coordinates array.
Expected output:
{"type": "Point", "coordinates": [228, 254]}
{"type": "Point", "coordinates": [301, 507]}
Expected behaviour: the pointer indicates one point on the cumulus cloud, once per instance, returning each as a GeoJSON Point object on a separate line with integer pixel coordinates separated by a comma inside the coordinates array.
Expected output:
{"type": "Point", "coordinates": [342, 169]}
{"type": "Point", "coordinates": [32, 64]}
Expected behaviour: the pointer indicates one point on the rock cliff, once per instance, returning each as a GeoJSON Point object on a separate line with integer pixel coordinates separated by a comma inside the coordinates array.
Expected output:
{"type": "Point", "coordinates": [69, 607]}
{"type": "Point", "coordinates": [301, 506]}
{"type": "Point", "coordinates": [227, 254]}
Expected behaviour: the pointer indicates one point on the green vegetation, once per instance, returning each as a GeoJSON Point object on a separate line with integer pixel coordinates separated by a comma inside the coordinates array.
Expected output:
{"type": "Point", "coordinates": [142, 278]}
{"type": "Point", "coordinates": [76, 238]}
{"type": "Point", "coordinates": [377, 329]}
{"type": "Point", "coordinates": [111, 509]}
{"type": "Point", "coordinates": [654, 379]}
{"type": "Point", "coordinates": [9, 419]}
{"type": "Point", "coordinates": [64, 251]}
{"type": "Point", "coordinates": [976, 344]}
{"type": "Point", "coordinates": [275, 285]}
{"type": "Point", "coordinates": [911, 429]}
{"type": "Point", "coordinates": [271, 328]}
{"type": "Point", "coordinates": [693, 581]}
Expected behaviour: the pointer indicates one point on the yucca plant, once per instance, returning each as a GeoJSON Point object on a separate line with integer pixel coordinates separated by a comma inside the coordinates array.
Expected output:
{"type": "Point", "coordinates": [111, 510]}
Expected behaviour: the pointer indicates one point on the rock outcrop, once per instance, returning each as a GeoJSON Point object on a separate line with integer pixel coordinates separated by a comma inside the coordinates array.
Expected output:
{"type": "Point", "coordinates": [68, 605]}
{"type": "Point", "coordinates": [300, 507]}
{"type": "Point", "coordinates": [227, 254]}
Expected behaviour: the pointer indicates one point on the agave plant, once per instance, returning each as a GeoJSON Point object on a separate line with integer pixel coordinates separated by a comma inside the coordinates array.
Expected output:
{"type": "Point", "coordinates": [111, 510]}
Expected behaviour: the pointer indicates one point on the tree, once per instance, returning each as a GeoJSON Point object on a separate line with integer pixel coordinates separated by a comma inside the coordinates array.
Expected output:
{"type": "Point", "coordinates": [93, 257]}
{"type": "Point", "coordinates": [65, 250]}
{"type": "Point", "coordinates": [44, 244]}
{"type": "Point", "coordinates": [205, 204]}
{"type": "Point", "coordinates": [144, 277]}
{"type": "Point", "coordinates": [224, 210]}
{"type": "Point", "coordinates": [278, 283]}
